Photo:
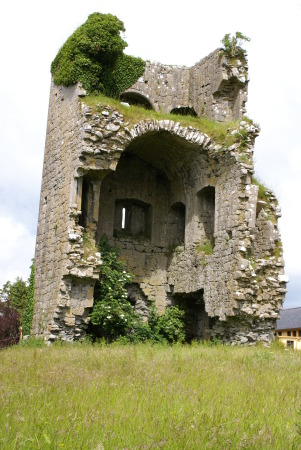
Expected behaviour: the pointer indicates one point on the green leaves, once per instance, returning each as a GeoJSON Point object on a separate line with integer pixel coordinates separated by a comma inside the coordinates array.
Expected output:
{"type": "Point", "coordinates": [16, 294]}
{"type": "Point", "coordinates": [28, 313]}
{"type": "Point", "coordinates": [112, 312]}
{"type": "Point", "coordinates": [94, 52]}
{"type": "Point", "coordinates": [114, 315]}
{"type": "Point", "coordinates": [232, 44]}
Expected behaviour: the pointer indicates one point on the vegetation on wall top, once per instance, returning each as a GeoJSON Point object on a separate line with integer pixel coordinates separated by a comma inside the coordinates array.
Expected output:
{"type": "Point", "coordinates": [220, 132]}
{"type": "Point", "coordinates": [232, 44]}
{"type": "Point", "coordinates": [93, 55]}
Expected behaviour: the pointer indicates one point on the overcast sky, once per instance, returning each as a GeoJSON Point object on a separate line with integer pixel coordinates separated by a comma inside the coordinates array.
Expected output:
{"type": "Point", "coordinates": [171, 32]}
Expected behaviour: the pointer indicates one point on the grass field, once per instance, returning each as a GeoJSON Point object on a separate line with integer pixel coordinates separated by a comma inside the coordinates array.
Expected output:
{"type": "Point", "coordinates": [144, 397]}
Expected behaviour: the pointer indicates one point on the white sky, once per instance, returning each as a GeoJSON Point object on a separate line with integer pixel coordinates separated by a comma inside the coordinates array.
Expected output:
{"type": "Point", "coordinates": [171, 32]}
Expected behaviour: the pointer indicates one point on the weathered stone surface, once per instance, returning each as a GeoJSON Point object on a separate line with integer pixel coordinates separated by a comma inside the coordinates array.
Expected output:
{"type": "Point", "coordinates": [214, 87]}
{"type": "Point", "coordinates": [162, 192]}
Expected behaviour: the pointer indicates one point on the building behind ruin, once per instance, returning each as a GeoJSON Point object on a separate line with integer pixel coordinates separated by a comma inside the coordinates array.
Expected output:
{"type": "Point", "coordinates": [182, 206]}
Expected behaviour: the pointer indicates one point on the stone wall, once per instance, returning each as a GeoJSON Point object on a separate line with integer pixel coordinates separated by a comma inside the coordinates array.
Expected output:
{"type": "Point", "coordinates": [64, 280]}
{"type": "Point", "coordinates": [183, 209]}
{"type": "Point", "coordinates": [214, 87]}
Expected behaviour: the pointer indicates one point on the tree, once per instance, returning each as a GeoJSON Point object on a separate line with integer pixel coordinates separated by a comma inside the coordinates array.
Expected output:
{"type": "Point", "coordinates": [9, 324]}
{"type": "Point", "coordinates": [232, 44]}
{"type": "Point", "coordinates": [16, 294]}
{"type": "Point", "coordinates": [28, 312]}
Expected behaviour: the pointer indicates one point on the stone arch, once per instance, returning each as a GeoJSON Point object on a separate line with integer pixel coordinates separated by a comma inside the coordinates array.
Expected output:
{"type": "Point", "coordinates": [152, 181]}
{"type": "Point", "coordinates": [184, 111]}
{"type": "Point", "coordinates": [135, 98]}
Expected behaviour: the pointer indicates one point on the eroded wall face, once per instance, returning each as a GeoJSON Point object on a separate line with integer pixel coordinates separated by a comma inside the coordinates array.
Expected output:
{"type": "Point", "coordinates": [52, 235]}
{"type": "Point", "coordinates": [214, 87]}
{"type": "Point", "coordinates": [64, 279]}
{"type": "Point", "coordinates": [165, 194]}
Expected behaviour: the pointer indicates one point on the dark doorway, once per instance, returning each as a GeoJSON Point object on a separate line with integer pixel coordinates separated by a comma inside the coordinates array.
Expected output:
{"type": "Point", "coordinates": [197, 322]}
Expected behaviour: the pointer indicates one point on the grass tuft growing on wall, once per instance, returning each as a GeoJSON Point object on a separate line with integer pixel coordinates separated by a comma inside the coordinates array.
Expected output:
{"type": "Point", "coordinates": [220, 132]}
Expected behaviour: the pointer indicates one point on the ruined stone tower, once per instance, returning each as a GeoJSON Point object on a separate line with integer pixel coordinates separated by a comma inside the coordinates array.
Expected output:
{"type": "Point", "coordinates": [165, 193]}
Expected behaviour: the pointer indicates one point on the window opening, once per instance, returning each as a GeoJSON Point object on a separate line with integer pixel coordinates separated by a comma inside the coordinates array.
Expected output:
{"type": "Point", "coordinates": [290, 344]}
{"type": "Point", "coordinates": [132, 218]}
{"type": "Point", "coordinates": [133, 98]}
{"type": "Point", "coordinates": [184, 111]}
{"type": "Point", "coordinates": [123, 218]}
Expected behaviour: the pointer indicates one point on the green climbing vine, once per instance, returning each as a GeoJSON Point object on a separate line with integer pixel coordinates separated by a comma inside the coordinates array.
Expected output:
{"type": "Point", "coordinates": [28, 313]}
{"type": "Point", "coordinates": [93, 55]}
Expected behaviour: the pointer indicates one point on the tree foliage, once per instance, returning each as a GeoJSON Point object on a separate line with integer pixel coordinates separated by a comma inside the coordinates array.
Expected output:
{"type": "Point", "coordinates": [17, 302]}
{"type": "Point", "coordinates": [9, 324]}
{"type": "Point", "coordinates": [92, 52]}
{"type": "Point", "coordinates": [232, 44]}
{"type": "Point", "coordinates": [28, 313]}
{"type": "Point", "coordinates": [16, 294]}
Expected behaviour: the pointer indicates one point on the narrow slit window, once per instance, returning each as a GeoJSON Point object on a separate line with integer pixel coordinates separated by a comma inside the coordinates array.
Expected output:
{"type": "Point", "coordinates": [123, 218]}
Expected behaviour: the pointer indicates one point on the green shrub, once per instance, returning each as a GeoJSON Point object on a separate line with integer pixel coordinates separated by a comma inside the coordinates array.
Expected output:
{"type": "Point", "coordinates": [112, 312]}
{"type": "Point", "coordinates": [167, 327]}
{"type": "Point", "coordinates": [115, 318]}
{"type": "Point", "coordinates": [92, 53]}
{"type": "Point", "coordinates": [232, 44]}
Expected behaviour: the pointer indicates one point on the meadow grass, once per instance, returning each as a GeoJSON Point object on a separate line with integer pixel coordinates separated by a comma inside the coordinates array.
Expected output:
{"type": "Point", "coordinates": [220, 132]}
{"type": "Point", "coordinates": [147, 397]}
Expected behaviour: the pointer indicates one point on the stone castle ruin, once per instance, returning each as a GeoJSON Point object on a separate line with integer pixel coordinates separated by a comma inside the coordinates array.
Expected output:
{"type": "Point", "coordinates": [183, 207]}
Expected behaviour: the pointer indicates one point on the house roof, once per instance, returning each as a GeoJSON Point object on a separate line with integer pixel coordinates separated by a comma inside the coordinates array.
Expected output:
{"type": "Point", "coordinates": [289, 319]}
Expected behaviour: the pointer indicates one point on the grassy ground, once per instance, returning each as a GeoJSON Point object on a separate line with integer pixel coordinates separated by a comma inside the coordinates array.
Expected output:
{"type": "Point", "coordinates": [143, 397]}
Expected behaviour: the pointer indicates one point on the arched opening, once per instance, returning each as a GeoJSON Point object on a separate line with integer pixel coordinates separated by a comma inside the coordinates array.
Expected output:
{"type": "Point", "coordinates": [133, 98]}
{"type": "Point", "coordinates": [206, 208]}
{"type": "Point", "coordinates": [145, 207]}
{"type": "Point", "coordinates": [184, 111]}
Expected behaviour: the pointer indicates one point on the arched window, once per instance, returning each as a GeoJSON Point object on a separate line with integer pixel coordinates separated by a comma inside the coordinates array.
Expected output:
{"type": "Point", "coordinates": [133, 98]}
{"type": "Point", "coordinates": [184, 111]}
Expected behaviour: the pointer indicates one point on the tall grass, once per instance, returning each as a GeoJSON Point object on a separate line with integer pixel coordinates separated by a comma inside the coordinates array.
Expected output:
{"type": "Point", "coordinates": [144, 397]}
